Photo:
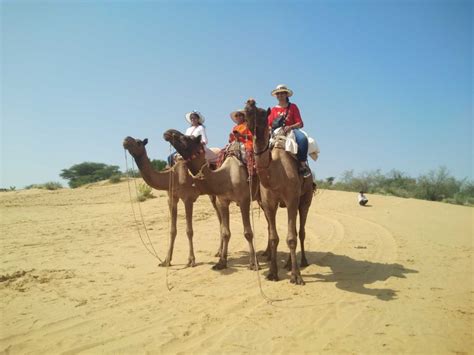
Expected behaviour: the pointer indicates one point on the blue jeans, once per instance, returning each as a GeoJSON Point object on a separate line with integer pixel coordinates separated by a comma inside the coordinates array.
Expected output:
{"type": "Point", "coordinates": [302, 141]}
{"type": "Point", "coordinates": [170, 159]}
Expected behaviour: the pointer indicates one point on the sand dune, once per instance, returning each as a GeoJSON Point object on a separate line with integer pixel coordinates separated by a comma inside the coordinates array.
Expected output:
{"type": "Point", "coordinates": [395, 277]}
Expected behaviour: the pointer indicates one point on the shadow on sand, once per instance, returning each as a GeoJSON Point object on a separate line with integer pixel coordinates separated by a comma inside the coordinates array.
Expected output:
{"type": "Point", "coordinates": [347, 273]}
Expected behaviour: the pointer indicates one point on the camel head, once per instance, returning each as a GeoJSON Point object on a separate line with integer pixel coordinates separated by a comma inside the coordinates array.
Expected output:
{"type": "Point", "coordinates": [257, 118]}
{"type": "Point", "coordinates": [135, 147]}
{"type": "Point", "coordinates": [188, 147]}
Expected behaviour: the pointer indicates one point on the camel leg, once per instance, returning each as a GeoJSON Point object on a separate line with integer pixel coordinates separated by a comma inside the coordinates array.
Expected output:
{"type": "Point", "coordinates": [245, 211]}
{"type": "Point", "coordinates": [305, 203]}
{"type": "Point", "coordinates": [292, 242]}
{"type": "Point", "coordinates": [213, 201]}
{"type": "Point", "coordinates": [270, 214]}
{"type": "Point", "coordinates": [173, 205]}
{"type": "Point", "coordinates": [188, 205]}
{"type": "Point", "coordinates": [267, 251]}
{"type": "Point", "coordinates": [223, 207]}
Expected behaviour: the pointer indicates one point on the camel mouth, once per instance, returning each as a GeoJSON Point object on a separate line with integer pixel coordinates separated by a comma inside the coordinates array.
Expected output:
{"type": "Point", "coordinates": [127, 141]}
{"type": "Point", "coordinates": [169, 135]}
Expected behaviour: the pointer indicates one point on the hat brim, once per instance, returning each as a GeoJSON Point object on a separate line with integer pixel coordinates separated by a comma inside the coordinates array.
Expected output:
{"type": "Point", "coordinates": [188, 117]}
{"type": "Point", "coordinates": [288, 91]}
{"type": "Point", "coordinates": [233, 114]}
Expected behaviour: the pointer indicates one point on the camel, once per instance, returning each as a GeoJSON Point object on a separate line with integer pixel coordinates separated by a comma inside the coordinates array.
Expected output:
{"type": "Point", "coordinates": [280, 183]}
{"type": "Point", "coordinates": [183, 189]}
{"type": "Point", "coordinates": [228, 183]}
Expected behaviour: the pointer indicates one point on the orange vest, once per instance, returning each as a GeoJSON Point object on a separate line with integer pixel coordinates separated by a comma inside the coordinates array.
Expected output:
{"type": "Point", "coordinates": [245, 136]}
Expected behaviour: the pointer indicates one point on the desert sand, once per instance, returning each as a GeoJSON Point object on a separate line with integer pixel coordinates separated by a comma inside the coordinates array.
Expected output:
{"type": "Point", "coordinates": [395, 277]}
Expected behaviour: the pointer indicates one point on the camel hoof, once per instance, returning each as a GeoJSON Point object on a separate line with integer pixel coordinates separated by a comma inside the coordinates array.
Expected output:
{"type": "Point", "coordinates": [304, 263]}
{"type": "Point", "coordinates": [219, 266]}
{"type": "Point", "coordinates": [272, 277]}
{"type": "Point", "coordinates": [165, 263]}
{"type": "Point", "coordinates": [297, 279]}
{"type": "Point", "coordinates": [191, 263]}
{"type": "Point", "coordinates": [252, 267]}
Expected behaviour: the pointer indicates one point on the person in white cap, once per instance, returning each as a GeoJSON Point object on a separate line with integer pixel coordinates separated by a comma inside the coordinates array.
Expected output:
{"type": "Point", "coordinates": [287, 115]}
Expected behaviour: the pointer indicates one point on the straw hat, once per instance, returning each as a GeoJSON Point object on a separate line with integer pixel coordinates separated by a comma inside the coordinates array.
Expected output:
{"type": "Point", "coordinates": [201, 117]}
{"type": "Point", "coordinates": [282, 88]}
{"type": "Point", "coordinates": [233, 114]}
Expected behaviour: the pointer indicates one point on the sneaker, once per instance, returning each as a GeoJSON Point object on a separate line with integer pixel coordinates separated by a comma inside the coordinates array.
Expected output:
{"type": "Point", "coordinates": [305, 171]}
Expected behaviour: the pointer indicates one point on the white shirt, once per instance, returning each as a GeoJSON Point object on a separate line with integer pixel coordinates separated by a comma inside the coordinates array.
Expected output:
{"type": "Point", "coordinates": [196, 131]}
{"type": "Point", "coordinates": [362, 197]}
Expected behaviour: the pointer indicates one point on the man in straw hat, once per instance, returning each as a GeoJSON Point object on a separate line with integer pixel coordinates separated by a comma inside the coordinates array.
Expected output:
{"type": "Point", "coordinates": [241, 133]}
{"type": "Point", "coordinates": [286, 115]}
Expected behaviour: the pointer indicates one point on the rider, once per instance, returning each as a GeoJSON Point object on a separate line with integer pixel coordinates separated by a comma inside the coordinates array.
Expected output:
{"type": "Point", "coordinates": [287, 115]}
{"type": "Point", "coordinates": [196, 128]}
{"type": "Point", "coordinates": [241, 133]}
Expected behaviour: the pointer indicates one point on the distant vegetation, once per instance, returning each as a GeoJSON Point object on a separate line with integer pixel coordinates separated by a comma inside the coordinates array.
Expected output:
{"type": "Point", "coordinates": [46, 186]}
{"type": "Point", "coordinates": [88, 172]}
{"type": "Point", "coordinates": [85, 173]}
{"type": "Point", "coordinates": [156, 163]}
{"type": "Point", "coordinates": [436, 185]}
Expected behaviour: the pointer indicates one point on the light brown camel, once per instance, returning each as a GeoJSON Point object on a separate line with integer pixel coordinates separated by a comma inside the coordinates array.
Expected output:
{"type": "Point", "coordinates": [279, 183]}
{"type": "Point", "coordinates": [229, 184]}
{"type": "Point", "coordinates": [183, 189]}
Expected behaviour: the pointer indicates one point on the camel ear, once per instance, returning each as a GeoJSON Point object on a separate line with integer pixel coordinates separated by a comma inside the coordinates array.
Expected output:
{"type": "Point", "coordinates": [251, 102]}
{"type": "Point", "coordinates": [145, 141]}
{"type": "Point", "coordinates": [197, 138]}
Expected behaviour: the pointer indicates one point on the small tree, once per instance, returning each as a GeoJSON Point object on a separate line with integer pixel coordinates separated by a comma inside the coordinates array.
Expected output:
{"type": "Point", "coordinates": [158, 164]}
{"type": "Point", "coordinates": [87, 172]}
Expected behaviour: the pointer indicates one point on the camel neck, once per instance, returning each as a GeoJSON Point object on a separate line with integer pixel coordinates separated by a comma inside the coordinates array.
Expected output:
{"type": "Point", "coordinates": [155, 179]}
{"type": "Point", "coordinates": [263, 160]}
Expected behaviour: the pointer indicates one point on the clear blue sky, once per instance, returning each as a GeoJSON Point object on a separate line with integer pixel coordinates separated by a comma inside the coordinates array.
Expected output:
{"type": "Point", "coordinates": [380, 84]}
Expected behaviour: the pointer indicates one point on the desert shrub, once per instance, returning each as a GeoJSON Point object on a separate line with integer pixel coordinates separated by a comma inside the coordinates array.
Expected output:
{"type": "Point", "coordinates": [158, 164]}
{"type": "Point", "coordinates": [114, 179]}
{"type": "Point", "coordinates": [132, 174]}
{"type": "Point", "coordinates": [85, 173]}
{"type": "Point", "coordinates": [436, 185]}
{"type": "Point", "coordinates": [144, 192]}
{"type": "Point", "coordinates": [51, 185]}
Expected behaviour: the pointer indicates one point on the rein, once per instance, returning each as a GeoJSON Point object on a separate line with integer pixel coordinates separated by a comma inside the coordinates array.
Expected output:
{"type": "Point", "coordinates": [200, 174]}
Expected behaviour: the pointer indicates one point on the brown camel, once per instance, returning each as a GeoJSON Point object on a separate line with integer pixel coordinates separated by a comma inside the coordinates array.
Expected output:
{"type": "Point", "coordinates": [183, 189]}
{"type": "Point", "coordinates": [228, 183]}
{"type": "Point", "coordinates": [280, 183]}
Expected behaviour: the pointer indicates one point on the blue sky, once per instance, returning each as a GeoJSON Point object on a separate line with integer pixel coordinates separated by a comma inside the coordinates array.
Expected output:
{"type": "Point", "coordinates": [380, 84]}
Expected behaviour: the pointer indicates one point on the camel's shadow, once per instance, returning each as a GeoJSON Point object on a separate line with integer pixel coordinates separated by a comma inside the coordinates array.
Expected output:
{"type": "Point", "coordinates": [347, 273]}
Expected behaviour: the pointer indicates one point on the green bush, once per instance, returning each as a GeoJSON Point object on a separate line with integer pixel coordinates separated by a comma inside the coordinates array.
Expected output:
{"type": "Point", "coordinates": [86, 173]}
{"type": "Point", "coordinates": [436, 185]}
{"type": "Point", "coordinates": [46, 186]}
{"type": "Point", "coordinates": [144, 192]}
{"type": "Point", "coordinates": [158, 164]}
{"type": "Point", "coordinates": [114, 179]}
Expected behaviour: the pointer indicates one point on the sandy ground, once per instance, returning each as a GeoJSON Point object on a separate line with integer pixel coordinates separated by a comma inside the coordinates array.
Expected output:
{"type": "Point", "coordinates": [395, 277]}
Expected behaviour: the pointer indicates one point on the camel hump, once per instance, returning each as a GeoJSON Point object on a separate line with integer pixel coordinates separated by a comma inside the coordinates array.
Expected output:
{"type": "Point", "coordinates": [215, 150]}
